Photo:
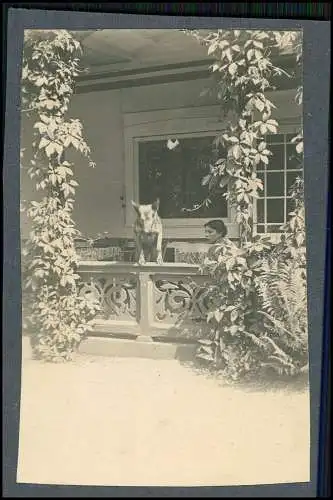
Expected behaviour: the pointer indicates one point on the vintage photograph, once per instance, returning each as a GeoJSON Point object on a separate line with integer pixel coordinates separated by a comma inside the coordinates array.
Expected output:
{"type": "Point", "coordinates": [163, 258]}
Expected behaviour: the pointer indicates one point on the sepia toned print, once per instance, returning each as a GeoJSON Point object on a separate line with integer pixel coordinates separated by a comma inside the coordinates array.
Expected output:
{"type": "Point", "coordinates": [164, 286]}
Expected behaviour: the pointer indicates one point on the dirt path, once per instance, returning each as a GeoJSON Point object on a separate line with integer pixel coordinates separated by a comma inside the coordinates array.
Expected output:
{"type": "Point", "coordinates": [104, 421]}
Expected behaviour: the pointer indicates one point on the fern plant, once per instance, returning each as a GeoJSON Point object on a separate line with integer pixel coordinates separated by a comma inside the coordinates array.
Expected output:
{"type": "Point", "coordinates": [282, 291]}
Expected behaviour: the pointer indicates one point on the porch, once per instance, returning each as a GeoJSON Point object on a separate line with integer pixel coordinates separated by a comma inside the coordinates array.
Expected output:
{"type": "Point", "coordinates": [142, 87]}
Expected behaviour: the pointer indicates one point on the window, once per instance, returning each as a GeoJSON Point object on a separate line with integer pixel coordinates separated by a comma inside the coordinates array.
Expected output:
{"type": "Point", "coordinates": [274, 204]}
{"type": "Point", "coordinates": [175, 174]}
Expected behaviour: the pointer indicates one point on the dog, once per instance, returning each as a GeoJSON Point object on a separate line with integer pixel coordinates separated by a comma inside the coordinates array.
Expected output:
{"type": "Point", "coordinates": [148, 233]}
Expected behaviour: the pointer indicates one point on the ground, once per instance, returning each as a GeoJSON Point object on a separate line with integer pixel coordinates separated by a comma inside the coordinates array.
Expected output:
{"type": "Point", "coordinates": [128, 421]}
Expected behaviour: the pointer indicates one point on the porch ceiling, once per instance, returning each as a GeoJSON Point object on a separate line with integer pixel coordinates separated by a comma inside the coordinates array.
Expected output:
{"type": "Point", "coordinates": [126, 49]}
{"type": "Point", "coordinates": [114, 51]}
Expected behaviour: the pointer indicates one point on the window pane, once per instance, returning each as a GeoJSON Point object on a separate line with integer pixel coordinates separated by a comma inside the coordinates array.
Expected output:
{"type": "Point", "coordinates": [276, 160]}
{"type": "Point", "coordinates": [175, 177]}
{"type": "Point", "coordinates": [293, 161]}
{"type": "Point", "coordinates": [275, 184]}
{"type": "Point", "coordinates": [275, 211]}
{"type": "Point", "coordinates": [290, 206]}
{"type": "Point", "coordinates": [274, 138]}
{"type": "Point", "coordinates": [260, 210]}
{"type": "Point", "coordinates": [260, 229]}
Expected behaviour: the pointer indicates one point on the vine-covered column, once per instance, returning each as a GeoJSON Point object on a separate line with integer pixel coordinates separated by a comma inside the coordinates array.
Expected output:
{"type": "Point", "coordinates": [59, 316]}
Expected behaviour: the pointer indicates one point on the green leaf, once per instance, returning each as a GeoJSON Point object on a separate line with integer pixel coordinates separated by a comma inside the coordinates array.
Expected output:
{"type": "Point", "coordinates": [257, 44]}
{"type": "Point", "coordinates": [232, 68]}
{"type": "Point", "coordinates": [250, 54]}
{"type": "Point", "coordinates": [230, 263]}
{"type": "Point", "coordinates": [273, 122]}
{"type": "Point", "coordinates": [43, 143]}
{"type": "Point", "coordinates": [50, 149]}
{"type": "Point", "coordinates": [218, 316]}
{"type": "Point", "coordinates": [51, 129]}
{"type": "Point", "coordinates": [233, 315]}
{"type": "Point", "coordinates": [40, 81]}
{"type": "Point", "coordinates": [53, 179]}
{"type": "Point", "coordinates": [299, 147]}
{"type": "Point", "coordinates": [42, 128]}
{"type": "Point", "coordinates": [223, 44]}
{"type": "Point", "coordinates": [260, 105]}
{"type": "Point", "coordinates": [236, 152]}
{"type": "Point", "coordinates": [233, 329]}
{"type": "Point", "coordinates": [257, 158]}
{"type": "Point", "coordinates": [228, 53]}
{"type": "Point", "coordinates": [261, 146]}
{"type": "Point", "coordinates": [212, 48]}
{"type": "Point", "coordinates": [75, 142]}
{"type": "Point", "coordinates": [59, 149]}
{"type": "Point", "coordinates": [233, 140]}
{"type": "Point", "coordinates": [50, 103]}
{"type": "Point", "coordinates": [263, 129]}
{"type": "Point", "coordinates": [299, 239]}
{"type": "Point", "coordinates": [271, 128]}
{"type": "Point", "coordinates": [205, 180]}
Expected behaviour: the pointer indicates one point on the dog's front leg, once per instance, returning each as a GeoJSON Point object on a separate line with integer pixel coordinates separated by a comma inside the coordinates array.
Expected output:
{"type": "Point", "coordinates": [141, 260]}
{"type": "Point", "coordinates": [159, 259]}
{"type": "Point", "coordinates": [140, 257]}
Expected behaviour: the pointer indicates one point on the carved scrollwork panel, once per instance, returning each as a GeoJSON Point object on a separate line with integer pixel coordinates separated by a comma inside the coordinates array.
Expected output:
{"type": "Point", "coordinates": [179, 300]}
{"type": "Point", "coordinates": [116, 296]}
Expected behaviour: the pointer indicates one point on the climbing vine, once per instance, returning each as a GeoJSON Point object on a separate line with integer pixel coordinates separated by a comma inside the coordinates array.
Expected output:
{"type": "Point", "coordinates": [245, 336]}
{"type": "Point", "coordinates": [243, 58]}
{"type": "Point", "coordinates": [59, 316]}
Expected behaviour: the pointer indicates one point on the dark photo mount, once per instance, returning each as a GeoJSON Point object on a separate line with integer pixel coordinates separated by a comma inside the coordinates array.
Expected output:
{"type": "Point", "coordinates": [91, 16]}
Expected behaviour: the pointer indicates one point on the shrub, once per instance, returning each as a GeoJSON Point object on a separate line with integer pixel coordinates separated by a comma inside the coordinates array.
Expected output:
{"type": "Point", "coordinates": [258, 303]}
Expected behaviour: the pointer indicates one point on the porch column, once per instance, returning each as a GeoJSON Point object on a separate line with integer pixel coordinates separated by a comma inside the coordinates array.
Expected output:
{"type": "Point", "coordinates": [145, 299]}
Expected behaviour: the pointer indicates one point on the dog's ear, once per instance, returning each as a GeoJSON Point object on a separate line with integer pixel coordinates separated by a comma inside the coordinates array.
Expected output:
{"type": "Point", "coordinates": [156, 205]}
{"type": "Point", "coordinates": [135, 206]}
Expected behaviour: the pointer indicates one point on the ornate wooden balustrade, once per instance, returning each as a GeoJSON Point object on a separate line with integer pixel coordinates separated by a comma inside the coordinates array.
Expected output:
{"type": "Point", "coordinates": [150, 301]}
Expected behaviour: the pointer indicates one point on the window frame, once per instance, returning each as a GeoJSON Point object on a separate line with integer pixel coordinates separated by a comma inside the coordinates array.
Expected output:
{"type": "Point", "coordinates": [291, 126]}
{"type": "Point", "coordinates": [164, 124]}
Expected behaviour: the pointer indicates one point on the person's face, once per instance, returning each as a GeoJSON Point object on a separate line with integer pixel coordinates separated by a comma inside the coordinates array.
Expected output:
{"type": "Point", "coordinates": [211, 234]}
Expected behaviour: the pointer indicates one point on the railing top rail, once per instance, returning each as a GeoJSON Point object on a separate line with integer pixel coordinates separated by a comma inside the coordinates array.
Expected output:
{"type": "Point", "coordinates": [114, 267]}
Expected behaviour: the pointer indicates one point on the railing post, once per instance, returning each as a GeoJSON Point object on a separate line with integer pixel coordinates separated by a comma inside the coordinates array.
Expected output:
{"type": "Point", "coordinates": [145, 305]}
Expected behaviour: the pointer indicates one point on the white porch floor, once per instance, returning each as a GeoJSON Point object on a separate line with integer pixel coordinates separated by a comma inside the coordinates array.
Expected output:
{"type": "Point", "coordinates": [123, 421]}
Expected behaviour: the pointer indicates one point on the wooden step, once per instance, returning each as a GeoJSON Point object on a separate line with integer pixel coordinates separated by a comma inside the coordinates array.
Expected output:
{"type": "Point", "coordinates": [141, 348]}
{"type": "Point", "coordinates": [137, 348]}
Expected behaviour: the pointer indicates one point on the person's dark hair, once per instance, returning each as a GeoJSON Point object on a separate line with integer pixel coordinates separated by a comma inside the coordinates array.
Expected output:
{"type": "Point", "coordinates": [219, 227]}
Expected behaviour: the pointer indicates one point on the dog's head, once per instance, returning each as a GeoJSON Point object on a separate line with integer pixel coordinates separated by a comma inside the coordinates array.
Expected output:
{"type": "Point", "coordinates": [146, 215]}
